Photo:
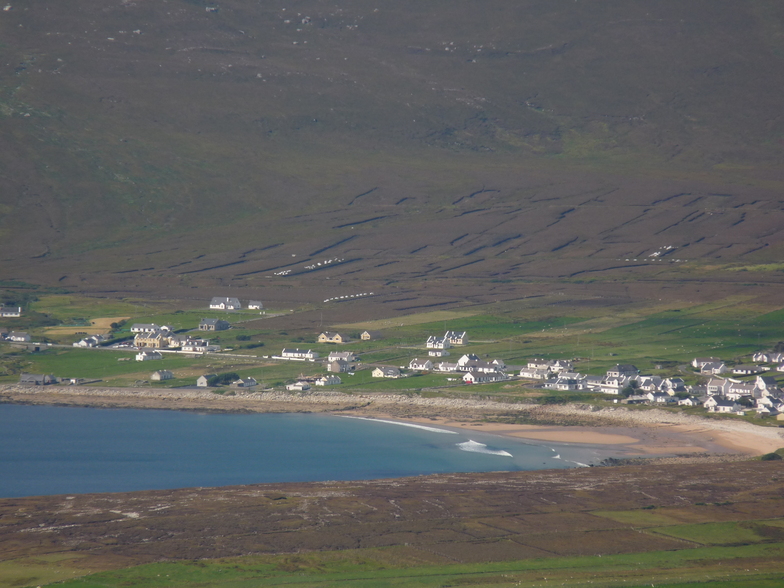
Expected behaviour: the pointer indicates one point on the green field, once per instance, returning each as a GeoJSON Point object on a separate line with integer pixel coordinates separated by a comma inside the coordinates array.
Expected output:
{"type": "Point", "coordinates": [660, 340]}
{"type": "Point", "coordinates": [703, 567]}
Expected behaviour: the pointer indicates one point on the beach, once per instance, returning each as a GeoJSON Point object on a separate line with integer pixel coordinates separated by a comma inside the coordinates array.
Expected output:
{"type": "Point", "coordinates": [620, 431]}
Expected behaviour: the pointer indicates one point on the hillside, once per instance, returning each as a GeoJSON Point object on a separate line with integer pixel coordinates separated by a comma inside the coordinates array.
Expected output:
{"type": "Point", "coordinates": [161, 146]}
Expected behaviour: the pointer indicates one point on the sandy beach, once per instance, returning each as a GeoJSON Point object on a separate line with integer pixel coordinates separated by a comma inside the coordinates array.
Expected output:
{"type": "Point", "coordinates": [623, 432]}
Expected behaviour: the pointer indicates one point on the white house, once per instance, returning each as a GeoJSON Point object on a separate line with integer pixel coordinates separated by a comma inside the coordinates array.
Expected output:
{"type": "Point", "coordinates": [698, 362]}
{"type": "Point", "coordinates": [255, 305]}
{"type": "Point", "coordinates": [10, 311]}
{"type": "Point", "coordinates": [341, 355]}
{"type": "Point", "coordinates": [93, 341]}
{"type": "Point", "coordinates": [420, 365]}
{"type": "Point", "coordinates": [386, 372]}
{"type": "Point", "coordinates": [148, 356]}
{"type": "Point", "coordinates": [456, 337]}
{"type": "Point", "coordinates": [299, 354]}
{"type": "Point", "coordinates": [298, 386]}
{"type": "Point", "coordinates": [204, 381]}
{"type": "Point", "coordinates": [328, 380]}
{"type": "Point", "coordinates": [18, 336]}
{"type": "Point", "coordinates": [146, 328]}
{"type": "Point", "coordinates": [438, 353]}
{"type": "Point", "coordinates": [467, 358]}
{"type": "Point", "coordinates": [162, 375]}
{"type": "Point", "coordinates": [483, 377]}
{"type": "Point", "coordinates": [434, 342]}
{"type": "Point", "coordinates": [244, 383]}
{"type": "Point", "coordinates": [219, 303]}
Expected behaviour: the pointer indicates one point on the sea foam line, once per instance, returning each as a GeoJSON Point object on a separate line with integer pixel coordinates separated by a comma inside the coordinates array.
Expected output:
{"type": "Point", "coordinates": [415, 426]}
{"type": "Point", "coordinates": [475, 447]}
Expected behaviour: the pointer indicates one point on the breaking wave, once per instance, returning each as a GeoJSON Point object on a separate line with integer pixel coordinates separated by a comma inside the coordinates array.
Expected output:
{"type": "Point", "coordinates": [413, 425]}
{"type": "Point", "coordinates": [475, 447]}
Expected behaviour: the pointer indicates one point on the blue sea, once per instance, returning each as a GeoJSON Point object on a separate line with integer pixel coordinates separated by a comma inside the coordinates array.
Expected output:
{"type": "Point", "coordinates": [65, 450]}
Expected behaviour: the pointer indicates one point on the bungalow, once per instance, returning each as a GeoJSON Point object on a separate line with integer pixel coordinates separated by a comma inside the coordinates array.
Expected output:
{"type": "Point", "coordinates": [328, 380]}
{"type": "Point", "coordinates": [479, 366]}
{"type": "Point", "coordinates": [690, 401]}
{"type": "Point", "coordinates": [339, 366]}
{"type": "Point", "coordinates": [386, 372]}
{"type": "Point", "coordinates": [566, 384]}
{"type": "Point", "coordinates": [298, 386]}
{"type": "Point", "coordinates": [714, 404]}
{"type": "Point", "coordinates": [534, 374]}
{"type": "Point", "coordinates": [144, 328]}
{"type": "Point", "coordinates": [438, 353]}
{"type": "Point", "coordinates": [370, 335]}
{"type": "Point", "coordinates": [299, 354]}
{"type": "Point", "coordinates": [204, 381]}
{"type": "Point", "coordinates": [481, 377]}
{"type": "Point", "coordinates": [456, 338]}
{"type": "Point", "coordinates": [420, 365]}
{"type": "Point", "coordinates": [162, 375]}
{"type": "Point", "coordinates": [660, 398]}
{"type": "Point", "coordinates": [713, 367]}
{"type": "Point", "coordinates": [244, 383]}
{"type": "Point", "coordinates": [19, 336]}
{"type": "Point", "coordinates": [698, 362]}
{"type": "Point", "coordinates": [10, 311]}
{"type": "Point", "coordinates": [445, 366]}
{"type": "Point", "coordinates": [198, 346]}
{"type": "Point", "coordinates": [255, 305]}
{"type": "Point", "coordinates": [649, 383]}
{"type": "Point", "coordinates": [341, 355]}
{"type": "Point", "coordinates": [540, 364]}
{"type": "Point", "coordinates": [434, 342]}
{"type": "Point", "coordinates": [329, 337]}
{"type": "Point", "coordinates": [748, 370]}
{"type": "Point", "coordinates": [93, 341]}
{"type": "Point", "coordinates": [36, 379]}
{"type": "Point", "coordinates": [219, 303]}
{"type": "Point", "coordinates": [211, 324]}
{"type": "Point", "coordinates": [148, 356]}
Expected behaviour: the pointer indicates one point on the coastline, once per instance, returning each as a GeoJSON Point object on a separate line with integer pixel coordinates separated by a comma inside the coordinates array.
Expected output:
{"type": "Point", "coordinates": [620, 431]}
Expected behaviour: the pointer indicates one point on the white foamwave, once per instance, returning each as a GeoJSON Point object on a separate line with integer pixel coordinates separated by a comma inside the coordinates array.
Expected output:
{"type": "Point", "coordinates": [475, 447]}
{"type": "Point", "coordinates": [412, 425]}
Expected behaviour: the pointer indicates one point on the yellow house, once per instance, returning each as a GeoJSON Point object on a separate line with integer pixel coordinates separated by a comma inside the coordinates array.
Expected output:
{"type": "Point", "coordinates": [328, 337]}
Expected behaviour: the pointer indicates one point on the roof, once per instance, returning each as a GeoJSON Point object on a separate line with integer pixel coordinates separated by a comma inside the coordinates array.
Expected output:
{"type": "Point", "coordinates": [225, 300]}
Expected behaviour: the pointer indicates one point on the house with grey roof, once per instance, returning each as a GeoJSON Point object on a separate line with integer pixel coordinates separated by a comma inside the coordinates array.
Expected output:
{"type": "Point", "coordinates": [221, 303]}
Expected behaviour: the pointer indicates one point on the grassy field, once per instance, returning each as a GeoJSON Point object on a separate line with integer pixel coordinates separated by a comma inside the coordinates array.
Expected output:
{"type": "Point", "coordinates": [706, 567]}
{"type": "Point", "coordinates": [657, 339]}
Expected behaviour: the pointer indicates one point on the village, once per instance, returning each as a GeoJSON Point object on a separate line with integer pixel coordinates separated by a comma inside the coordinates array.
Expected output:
{"type": "Point", "coordinates": [717, 385]}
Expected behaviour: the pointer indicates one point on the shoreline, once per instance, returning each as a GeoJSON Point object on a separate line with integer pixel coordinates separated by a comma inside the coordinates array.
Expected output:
{"type": "Point", "coordinates": [621, 432]}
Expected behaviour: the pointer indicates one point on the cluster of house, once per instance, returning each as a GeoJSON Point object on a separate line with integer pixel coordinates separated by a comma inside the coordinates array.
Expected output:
{"type": "Point", "coordinates": [437, 346]}
{"type": "Point", "coordinates": [730, 395]}
{"type": "Point", "coordinates": [711, 366]}
{"type": "Point", "coordinates": [228, 303]}
{"type": "Point", "coordinates": [152, 336]}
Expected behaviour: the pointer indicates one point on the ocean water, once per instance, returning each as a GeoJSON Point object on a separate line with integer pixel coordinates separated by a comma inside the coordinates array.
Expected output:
{"type": "Point", "coordinates": [58, 450]}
